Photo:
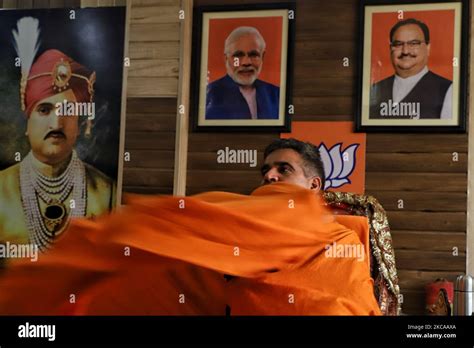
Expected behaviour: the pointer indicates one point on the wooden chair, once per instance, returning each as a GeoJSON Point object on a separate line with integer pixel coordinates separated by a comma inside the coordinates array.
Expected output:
{"type": "Point", "coordinates": [382, 257]}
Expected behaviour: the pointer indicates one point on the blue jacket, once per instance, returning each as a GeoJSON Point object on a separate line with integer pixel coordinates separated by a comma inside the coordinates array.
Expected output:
{"type": "Point", "coordinates": [225, 102]}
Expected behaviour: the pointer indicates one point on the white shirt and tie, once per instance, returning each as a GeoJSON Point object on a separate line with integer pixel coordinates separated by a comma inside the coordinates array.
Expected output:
{"type": "Point", "coordinates": [401, 88]}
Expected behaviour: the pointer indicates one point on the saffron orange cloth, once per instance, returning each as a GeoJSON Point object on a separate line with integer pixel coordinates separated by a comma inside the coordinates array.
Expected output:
{"type": "Point", "coordinates": [166, 255]}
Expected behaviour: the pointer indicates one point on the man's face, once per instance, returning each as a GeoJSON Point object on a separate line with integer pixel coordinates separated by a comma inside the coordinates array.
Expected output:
{"type": "Point", "coordinates": [52, 137]}
{"type": "Point", "coordinates": [409, 52]}
{"type": "Point", "coordinates": [244, 60]}
{"type": "Point", "coordinates": [286, 165]}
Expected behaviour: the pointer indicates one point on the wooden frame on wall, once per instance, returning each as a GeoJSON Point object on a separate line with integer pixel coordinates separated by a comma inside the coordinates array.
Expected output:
{"type": "Point", "coordinates": [409, 81]}
{"type": "Point", "coordinates": [217, 103]}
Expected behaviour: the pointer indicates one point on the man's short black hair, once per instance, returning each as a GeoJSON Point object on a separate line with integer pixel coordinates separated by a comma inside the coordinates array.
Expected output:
{"type": "Point", "coordinates": [424, 28]}
{"type": "Point", "coordinates": [312, 163]}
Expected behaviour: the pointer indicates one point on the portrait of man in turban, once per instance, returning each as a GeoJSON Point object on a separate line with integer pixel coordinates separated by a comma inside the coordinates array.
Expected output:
{"type": "Point", "coordinates": [52, 183]}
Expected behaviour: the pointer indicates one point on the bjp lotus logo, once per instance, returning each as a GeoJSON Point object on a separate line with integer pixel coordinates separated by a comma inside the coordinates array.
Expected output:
{"type": "Point", "coordinates": [338, 164]}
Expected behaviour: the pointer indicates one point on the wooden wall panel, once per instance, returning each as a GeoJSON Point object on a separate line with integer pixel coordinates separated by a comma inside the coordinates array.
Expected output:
{"type": "Point", "coordinates": [25, 4]}
{"type": "Point", "coordinates": [417, 143]}
{"type": "Point", "coordinates": [30, 4]}
{"type": "Point", "coordinates": [10, 4]}
{"type": "Point", "coordinates": [154, 49]}
{"type": "Point", "coordinates": [41, 4]}
{"type": "Point", "coordinates": [160, 87]}
{"type": "Point", "coordinates": [421, 182]}
{"type": "Point", "coordinates": [150, 140]}
{"type": "Point", "coordinates": [428, 201]}
{"type": "Point", "coordinates": [416, 168]}
{"type": "Point", "coordinates": [89, 3]}
{"type": "Point", "coordinates": [430, 241]}
{"type": "Point", "coordinates": [152, 90]}
{"type": "Point", "coordinates": [154, 14]}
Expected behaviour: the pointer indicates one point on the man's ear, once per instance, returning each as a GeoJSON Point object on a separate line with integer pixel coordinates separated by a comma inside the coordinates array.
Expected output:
{"type": "Point", "coordinates": [316, 183]}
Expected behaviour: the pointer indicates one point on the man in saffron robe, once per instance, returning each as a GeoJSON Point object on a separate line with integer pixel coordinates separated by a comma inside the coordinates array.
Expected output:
{"type": "Point", "coordinates": [213, 253]}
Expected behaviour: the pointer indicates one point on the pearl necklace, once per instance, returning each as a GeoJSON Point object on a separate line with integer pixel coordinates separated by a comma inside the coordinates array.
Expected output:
{"type": "Point", "coordinates": [44, 228]}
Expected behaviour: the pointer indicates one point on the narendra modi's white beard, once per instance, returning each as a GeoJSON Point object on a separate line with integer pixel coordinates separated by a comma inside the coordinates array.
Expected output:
{"type": "Point", "coordinates": [246, 81]}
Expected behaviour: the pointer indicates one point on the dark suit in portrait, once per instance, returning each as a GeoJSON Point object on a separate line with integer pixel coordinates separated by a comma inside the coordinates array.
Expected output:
{"type": "Point", "coordinates": [429, 92]}
{"type": "Point", "coordinates": [224, 100]}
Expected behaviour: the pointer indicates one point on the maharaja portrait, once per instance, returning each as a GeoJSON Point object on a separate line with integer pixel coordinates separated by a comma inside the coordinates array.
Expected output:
{"type": "Point", "coordinates": [60, 96]}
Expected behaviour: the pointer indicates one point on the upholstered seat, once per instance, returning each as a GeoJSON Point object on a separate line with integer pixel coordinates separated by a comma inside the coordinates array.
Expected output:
{"type": "Point", "coordinates": [382, 257]}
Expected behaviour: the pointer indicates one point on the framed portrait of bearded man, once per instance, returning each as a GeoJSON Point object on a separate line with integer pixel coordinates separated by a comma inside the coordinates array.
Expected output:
{"type": "Point", "coordinates": [61, 120]}
{"type": "Point", "coordinates": [243, 65]}
{"type": "Point", "coordinates": [413, 66]}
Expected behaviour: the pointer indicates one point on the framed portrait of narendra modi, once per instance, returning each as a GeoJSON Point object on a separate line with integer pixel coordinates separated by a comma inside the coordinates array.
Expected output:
{"type": "Point", "coordinates": [61, 119]}
{"type": "Point", "coordinates": [412, 72]}
{"type": "Point", "coordinates": [242, 67]}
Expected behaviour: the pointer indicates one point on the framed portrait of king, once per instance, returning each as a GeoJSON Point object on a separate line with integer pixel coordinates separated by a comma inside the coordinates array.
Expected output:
{"type": "Point", "coordinates": [61, 120]}
{"type": "Point", "coordinates": [412, 71]}
{"type": "Point", "coordinates": [242, 67]}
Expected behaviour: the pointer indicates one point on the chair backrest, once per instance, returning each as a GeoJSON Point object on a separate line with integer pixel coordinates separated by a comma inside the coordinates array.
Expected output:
{"type": "Point", "coordinates": [382, 257]}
